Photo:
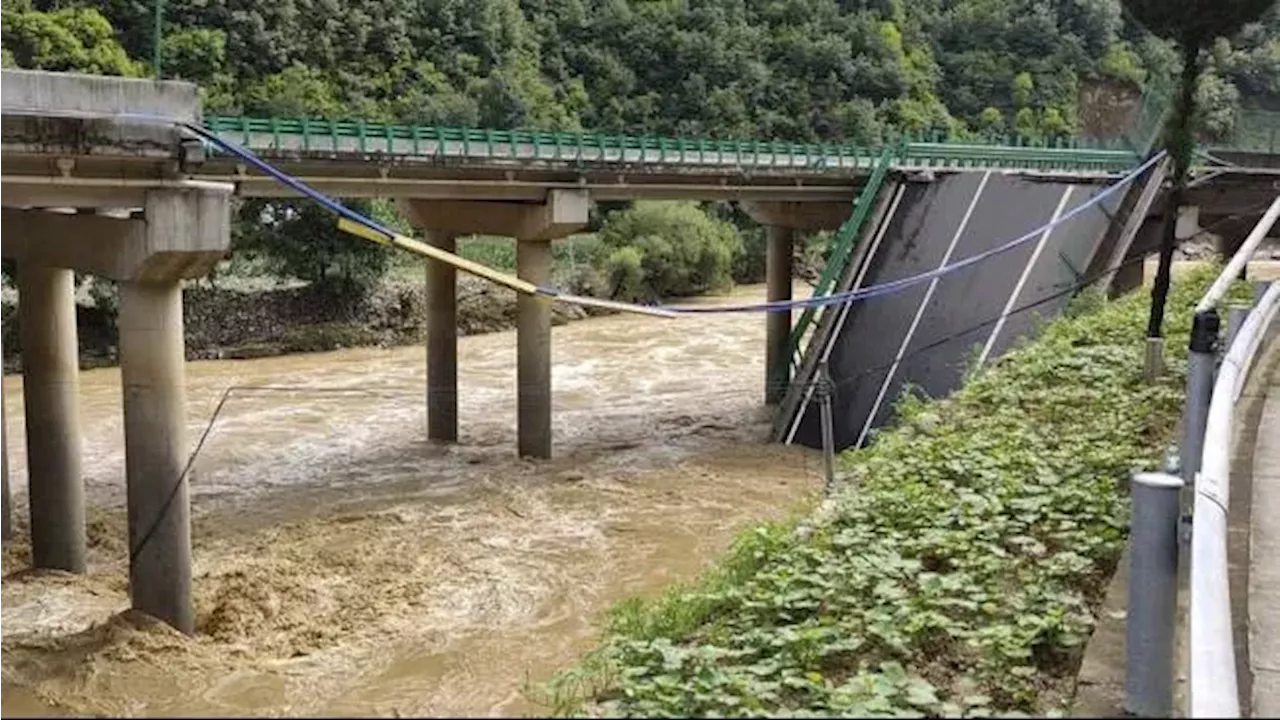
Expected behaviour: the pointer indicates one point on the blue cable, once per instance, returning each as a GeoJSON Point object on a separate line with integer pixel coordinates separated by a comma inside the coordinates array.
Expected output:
{"type": "Point", "coordinates": [772, 306]}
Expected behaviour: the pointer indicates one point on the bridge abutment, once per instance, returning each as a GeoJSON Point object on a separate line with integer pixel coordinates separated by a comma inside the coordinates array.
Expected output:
{"type": "Point", "coordinates": [50, 389]}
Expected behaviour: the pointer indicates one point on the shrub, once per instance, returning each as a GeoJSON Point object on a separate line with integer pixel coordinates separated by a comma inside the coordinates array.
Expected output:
{"type": "Point", "coordinates": [664, 249]}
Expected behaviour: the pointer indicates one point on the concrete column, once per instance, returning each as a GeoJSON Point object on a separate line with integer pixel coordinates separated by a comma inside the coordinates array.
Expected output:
{"type": "Point", "coordinates": [533, 361]}
{"type": "Point", "coordinates": [51, 384]}
{"type": "Point", "coordinates": [4, 474]}
{"type": "Point", "coordinates": [153, 374]}
{"type": "Point", "coordinates": [442, 344]}
{"type": "Point", "coordinates": [777, 324]}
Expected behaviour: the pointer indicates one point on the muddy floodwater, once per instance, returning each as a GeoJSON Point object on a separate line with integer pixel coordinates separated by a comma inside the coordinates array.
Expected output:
{"type": "Point", "coordinates": [344, 566]}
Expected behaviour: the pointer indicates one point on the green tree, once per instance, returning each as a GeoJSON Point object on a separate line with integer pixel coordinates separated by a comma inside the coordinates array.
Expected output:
{"type": "Point", "coordinates": [991, 120]}
{"type": "Point", "coordinates": [300, 239]}
{"type": "Point", "coordinates": [296, 91]}
{"type": "Point", "coordinates": [75, 39]}
{"type": "Point", "coordinates": [1193, 25]}
{"type": "Point", "coordinates": [1021, 88]}
{"type": "Point", "coordinates": [660, 249]}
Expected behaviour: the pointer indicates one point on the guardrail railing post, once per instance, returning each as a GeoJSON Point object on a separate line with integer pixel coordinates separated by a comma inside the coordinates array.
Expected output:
{"type": "Point", "coordinates": [1201, 363]}
{"type": "Point", "coordinates": [1153, 594]}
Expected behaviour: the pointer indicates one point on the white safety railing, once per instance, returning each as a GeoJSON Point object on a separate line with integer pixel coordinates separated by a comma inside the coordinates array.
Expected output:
{"type": "Point", "coordinates": [1212, 691]}
{"type": "Point", "coordinates": [1154, 547]}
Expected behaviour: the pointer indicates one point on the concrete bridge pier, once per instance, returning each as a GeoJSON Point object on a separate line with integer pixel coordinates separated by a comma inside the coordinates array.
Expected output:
{"type": "Point", "coordinates": [152, 369]}
{"type": "Point", "coordinates": [51, 386]}
{"type": "Point", "coordinates": [781, 245]}
{"type": "Point", "coordinates": [534, 226]}
{"type": "Point", "coordinates": [783, 219]}
{"type": "Point", "coordinates": [442, 343]}
{"type": "Point", "coordinates": [533, 355]}
{"type": "Point", "coordinates": [182, 234]}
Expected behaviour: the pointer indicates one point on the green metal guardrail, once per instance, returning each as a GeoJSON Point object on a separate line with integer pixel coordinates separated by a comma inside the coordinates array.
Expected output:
{"type": "Point", "coordinates": [1253, 131]}
{"type": "Point", "coordinates": [842, 245]}
{"type": "Point", "coordinates": [321, 135]}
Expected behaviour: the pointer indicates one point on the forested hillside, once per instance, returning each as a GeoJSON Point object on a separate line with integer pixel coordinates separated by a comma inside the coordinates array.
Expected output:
{"type": "Point", "coordinates": [813, 70]}
{"type": "Point", "coordinates": [787, 69]}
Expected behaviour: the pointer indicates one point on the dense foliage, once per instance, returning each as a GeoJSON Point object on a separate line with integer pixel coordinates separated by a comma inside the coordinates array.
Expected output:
{"type": "Point", "coordinates": [663, 249]}
{"type": "Point", "coordinates": [787, 69]}
{"type": "Point", "coordinates": [955, 571]}
{"type": "Point", "coordinates": [782, 69]}
{"type": "Point", "coordinates": [1193, 26]}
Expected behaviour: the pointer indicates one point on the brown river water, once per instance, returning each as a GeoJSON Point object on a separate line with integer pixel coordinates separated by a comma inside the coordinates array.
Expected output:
{"type": "Point", "coordinates": [345, 566]}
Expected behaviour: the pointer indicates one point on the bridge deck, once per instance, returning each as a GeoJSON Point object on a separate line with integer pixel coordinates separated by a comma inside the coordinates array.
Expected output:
{"type": "Point", "coordinates": [355, 159]}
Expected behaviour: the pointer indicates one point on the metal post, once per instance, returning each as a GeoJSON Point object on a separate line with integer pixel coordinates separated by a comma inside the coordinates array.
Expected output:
{"type": "Point", "coordinates": [828, 427]}
{"type": "Point", "coordinates": [5, 501]}
{"type": "Point", "coordinates": [1201, 364]}
{"type": "Point", "coordinates": [1153, 594]}
{"type": "Point", "coordinates": [1236, 315]}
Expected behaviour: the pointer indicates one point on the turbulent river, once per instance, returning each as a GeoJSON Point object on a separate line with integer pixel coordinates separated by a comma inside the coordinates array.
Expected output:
{"type": "Point", "coordinates": [344, 566]}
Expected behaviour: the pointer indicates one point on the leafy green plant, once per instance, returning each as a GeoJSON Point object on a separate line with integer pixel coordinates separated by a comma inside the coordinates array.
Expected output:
{"type": "Point", "coordinates": [955, 571]}
{"type": "Point", "coordinates": [662, 249]}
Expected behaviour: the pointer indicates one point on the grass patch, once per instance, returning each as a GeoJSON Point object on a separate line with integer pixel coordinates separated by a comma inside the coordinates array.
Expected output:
{"type": "Point", "coordinates": [954, 572]}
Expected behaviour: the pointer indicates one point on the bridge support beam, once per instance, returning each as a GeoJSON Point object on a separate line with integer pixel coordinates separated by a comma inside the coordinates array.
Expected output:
{"type": "Point", "coordinates": [51, 385]}
{"type": "Point", "coordinates": [534, 225]}
{"type": "Point", "coordinates": [152, 368]}
{"type": "Point", "coordinates": [533, 354]}
{"type": "Point", "coordinates": [778, 324]}
{"type": "Point", "coordinates": [442, 343]}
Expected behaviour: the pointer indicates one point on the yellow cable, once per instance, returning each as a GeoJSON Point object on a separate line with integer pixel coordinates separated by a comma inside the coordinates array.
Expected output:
{"type": "Point", "coordinates": [421, 248]}
{"type": "Point", "coordinates": [475, 268]}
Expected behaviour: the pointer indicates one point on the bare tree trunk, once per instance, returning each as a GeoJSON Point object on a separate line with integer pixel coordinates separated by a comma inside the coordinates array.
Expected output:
{"type": "Point", "coordinates": [1180, 142]}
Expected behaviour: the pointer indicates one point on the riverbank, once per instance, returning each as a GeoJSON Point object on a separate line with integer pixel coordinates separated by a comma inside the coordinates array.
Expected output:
{"type": "Point", "coordinates": [958, 569]}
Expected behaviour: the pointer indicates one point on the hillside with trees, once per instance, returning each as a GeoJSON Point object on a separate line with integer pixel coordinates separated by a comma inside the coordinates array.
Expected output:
{"type": "Point", "coordinates": [784, 69]}
{"type": "Point", "coordinates": [804, 70]}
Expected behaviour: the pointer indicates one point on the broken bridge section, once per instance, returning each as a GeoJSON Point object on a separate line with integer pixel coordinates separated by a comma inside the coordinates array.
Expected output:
{"type": "Point", "coordinates": [928, 334]}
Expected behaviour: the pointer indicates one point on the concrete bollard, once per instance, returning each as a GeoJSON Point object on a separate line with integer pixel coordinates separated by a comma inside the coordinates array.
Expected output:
{"type": "Point", "coordinates": [1153, 594]}
{"type": "Point", "coordinates": [1202, 364]}
{"type": "Point", "coordinates": [1153, 362]}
